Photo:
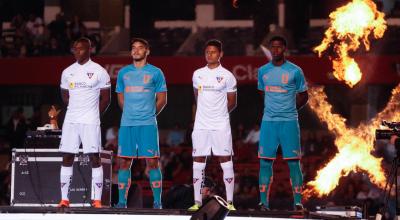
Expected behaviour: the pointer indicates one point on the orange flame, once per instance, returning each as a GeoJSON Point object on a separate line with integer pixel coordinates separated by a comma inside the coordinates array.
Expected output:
{"type": "Point", "coordinates": [354, 144]}
{"type": "Point", "coordinates": [351, 24]}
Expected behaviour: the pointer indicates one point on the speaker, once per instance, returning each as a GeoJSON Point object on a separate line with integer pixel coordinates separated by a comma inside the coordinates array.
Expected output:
{"type": "Point", "coordinates": [215, 209]}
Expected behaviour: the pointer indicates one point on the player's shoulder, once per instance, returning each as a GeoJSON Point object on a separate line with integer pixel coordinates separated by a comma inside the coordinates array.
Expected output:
{"type": "Point", "coordinates": [266, 67]}
{"type": "Point", "coordinates": [292, 67]}
{"type": "Point", "coordinates": [96, 66]}
{"type": "Point", "coordinates": [153, 69]}
{"type": "Point", "coordinates": [70, 68]}
{"type": "Point", "coordinates": [226, 72]}
{"type": "Point", "coordinates": [200, 70]}
{"type": "Point", "coordinates": [125, 69]}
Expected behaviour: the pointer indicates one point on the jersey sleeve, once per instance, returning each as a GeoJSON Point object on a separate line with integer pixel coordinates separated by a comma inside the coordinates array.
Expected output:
{"type": "Point", "coordinates": [104, 79]}
{"type": "Point", "coordinates": [231, 84]}
{"type": "Point", "coordinates": [194, 80]}
{"type": "Point", "coordinates": [160, 84]}
{"type": "Point", "coordinates": [301, 84]}
{"type": "Point", "coordinates": [64, 82]}
{"type": "Point", "coordinates": [120, 82]}
{"type": "Point", "coordinates": [260, 82]}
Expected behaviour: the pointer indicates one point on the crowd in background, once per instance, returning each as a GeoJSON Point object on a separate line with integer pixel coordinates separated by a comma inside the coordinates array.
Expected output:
{"type": "Point", "coordinates": [30, 36]}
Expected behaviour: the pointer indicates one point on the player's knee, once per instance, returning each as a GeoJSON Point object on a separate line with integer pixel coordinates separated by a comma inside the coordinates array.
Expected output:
{"type": "Point", "coordinates": [68, 159]}
{"type": "Point", "coordinates": [152, 163]}
{"type": "Point", "coordinates": [199, 159]}
{"type": "Point", "coordinates": [95, 160]}
{"type": "Point", "coordinates": [124, 164]}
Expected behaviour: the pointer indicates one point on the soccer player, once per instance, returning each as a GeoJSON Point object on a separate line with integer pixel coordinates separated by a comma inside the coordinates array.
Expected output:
{"type": "Point", "coordinates": [215, 94]}
{"type": "Point", "coordinates": [85, 89]}
{"type": "Point", "coordinates": [285, 92]}
{"type": "Point", "coordinates": [142, 94]}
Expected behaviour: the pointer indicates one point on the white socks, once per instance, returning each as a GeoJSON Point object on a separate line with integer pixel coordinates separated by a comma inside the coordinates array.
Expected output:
{"type": "Point", "coordinates": [65, 181]}
{"type": "Point", "coordinates": [229, 179]}
{"type": "Point", "coordinates": [198, 177]}
{"type": "Point", "coordinates": [97, 183]}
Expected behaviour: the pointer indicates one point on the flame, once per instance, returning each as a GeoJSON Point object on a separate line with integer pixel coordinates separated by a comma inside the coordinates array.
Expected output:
{"type": "Point", "coordinates": [354, 144]}
{"type": "Point", "coordinates": [350, 25]}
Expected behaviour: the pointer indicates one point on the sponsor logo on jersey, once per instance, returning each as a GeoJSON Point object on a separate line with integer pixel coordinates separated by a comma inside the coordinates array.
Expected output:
{"type": "Point", "coordinates": [90, 75]}
{"type": "Point", "coordinates": [276, 89]}
{"type": "Point", "coordinates": [134, 89]}
{"type": "Point", "coordinates": [71, 85]}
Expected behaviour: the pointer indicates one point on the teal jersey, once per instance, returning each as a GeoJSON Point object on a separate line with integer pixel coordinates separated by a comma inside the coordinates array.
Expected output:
{"type": "Point", "coordinates": [280, 85]}
{"type": "Point", "coordinates": [139, 86]}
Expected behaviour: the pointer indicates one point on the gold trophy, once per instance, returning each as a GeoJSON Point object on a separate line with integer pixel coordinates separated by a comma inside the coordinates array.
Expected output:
{"type": "Point", "coordinates": [53, 113]}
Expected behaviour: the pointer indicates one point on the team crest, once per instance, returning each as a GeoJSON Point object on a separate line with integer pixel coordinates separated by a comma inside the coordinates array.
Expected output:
{"type": "Point", "coordinates": [146, 78]}
{"type": "Point", "coordinates": [99, 185]}
{"type": "Point", "coordinates": [195, 180]}
{"type": "Point", "coordinates": [219, 78]}
{"type": "Point", "coordinates": [63, 184]}
{"type": "Point", "coordinates": [90, 75]}
{"type": "Point", "coordinates": [285, 78]}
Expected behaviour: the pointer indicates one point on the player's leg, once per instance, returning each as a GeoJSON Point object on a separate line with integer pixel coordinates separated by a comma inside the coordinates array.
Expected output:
{"type": "Point", "coordinates": [126, 151]}
{"type": "Point", "coordinates": [201, 149]}
{"type": "Point", "coordinates": [148, 148]}
{"type": "Point", "coordinates": [290, 141]}
{"type": "Point", "coordinates": [222, 147]}
{"type": "Point", "coordinates": [268, 146]}
{"type": "Point", "coordinates": [69, 146]}
{"type": "Point", "coordinates": [91, 143]}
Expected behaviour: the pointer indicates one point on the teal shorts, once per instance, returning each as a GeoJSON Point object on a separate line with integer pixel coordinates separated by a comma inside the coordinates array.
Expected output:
{"type": "Point", "coordinates": [138, 141]}
{"type": "Point", "coordinates": [283, 133]}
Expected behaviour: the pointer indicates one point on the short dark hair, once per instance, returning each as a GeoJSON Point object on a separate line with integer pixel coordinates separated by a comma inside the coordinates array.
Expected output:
{"type": "Point", "coordinates": [141, 40]}
{"type": "Point", "coordinates": [214, 42]}
{"type": "Point", "coordinates": [278, 38]}
{"type": "Point", "coordinates": [84, 40]}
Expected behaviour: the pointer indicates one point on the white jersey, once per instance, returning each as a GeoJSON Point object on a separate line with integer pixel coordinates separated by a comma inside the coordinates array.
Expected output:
{"type": "Point", "coordinates": [84, 83]}
{"type": "Point", "coordinates": [212, 104]}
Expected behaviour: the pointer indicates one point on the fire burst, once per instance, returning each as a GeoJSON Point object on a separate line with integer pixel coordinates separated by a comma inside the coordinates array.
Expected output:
{"type": "Point", "coordinates": [350, 25]}
{"type": "Point", "coordinates": [354, 144]}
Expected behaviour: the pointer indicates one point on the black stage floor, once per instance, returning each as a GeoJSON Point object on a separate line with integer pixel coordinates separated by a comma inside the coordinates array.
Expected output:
{"type": "Point", "coordinates": [13, 212]}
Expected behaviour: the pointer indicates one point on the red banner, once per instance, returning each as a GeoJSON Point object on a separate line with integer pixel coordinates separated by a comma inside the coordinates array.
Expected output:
{"type": "Point", "coordinates": [179, 70]}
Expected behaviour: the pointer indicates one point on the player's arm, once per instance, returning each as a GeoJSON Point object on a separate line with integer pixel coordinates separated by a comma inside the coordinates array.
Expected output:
{"type": "Point", "coordinates": [232, 101]}
{"type": "Point", "coordinates": [65, 96]}
{"type": "Point", "coordinates": [161, 101]}
{"type": "Point", "coordinates": [196, 93]}
{"type": "Point", "coordinates": [105, 99]}
{"type": "Point", "coordinates": [301, 99]}
{"type": "Point", "coordinates": [120, 97]}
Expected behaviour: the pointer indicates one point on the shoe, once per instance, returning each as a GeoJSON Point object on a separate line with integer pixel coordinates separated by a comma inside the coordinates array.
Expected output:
{"type": "Point", "coordinates": [298, 207]}
{"type": "Point", "coordinates": [157, 205]}
{"type": "Point", "coordinates": [231, 207]}
{"type": "Point", "coordinates": [262, 207]}
{"type": "Point", "coordinates": [63, 204]}
{"type": "Point", "coordinates": [120, 205]}
{"type": "Point", "coordinates": [195, 207]}
{"type": "Point", "coordinates": [96, 204]}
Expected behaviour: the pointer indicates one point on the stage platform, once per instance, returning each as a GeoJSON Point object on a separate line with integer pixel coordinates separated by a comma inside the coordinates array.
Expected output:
{"type": "Point", "coordinates": [52, 213]}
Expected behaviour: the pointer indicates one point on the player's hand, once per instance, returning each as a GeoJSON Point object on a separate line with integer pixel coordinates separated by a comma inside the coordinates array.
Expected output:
{"type": "Point", "coordinates": [53, 112]}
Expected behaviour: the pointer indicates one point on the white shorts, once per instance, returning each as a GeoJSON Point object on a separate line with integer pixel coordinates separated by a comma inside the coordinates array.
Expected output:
{"type": "Point", "coordinates": [219, 142]}
{"type": "Point", "coordinates": [73, 134]}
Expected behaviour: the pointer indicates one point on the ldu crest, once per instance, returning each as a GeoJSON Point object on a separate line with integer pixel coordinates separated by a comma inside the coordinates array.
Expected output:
{"type": "Point", "coordinates": [146, 78]}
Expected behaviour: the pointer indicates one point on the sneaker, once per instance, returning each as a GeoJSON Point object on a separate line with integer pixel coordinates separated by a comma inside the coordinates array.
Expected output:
{"type": "Point", "coordinates": [63, 204]}
{"type": "Point", "coordinates": [262, 207]}
{"type": "Point", "coordinates": [120, 205]}
{"type": "Point", "coordinates": [231, 207]}
{"type": "Point", "coordinates": [96, 204]}
{"type": "Point", "coordinates": [298, 207]}
{"type": "Point", "coordinates": [195, 207]}
{"type": "Point", "coordinates": [157, 205]}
